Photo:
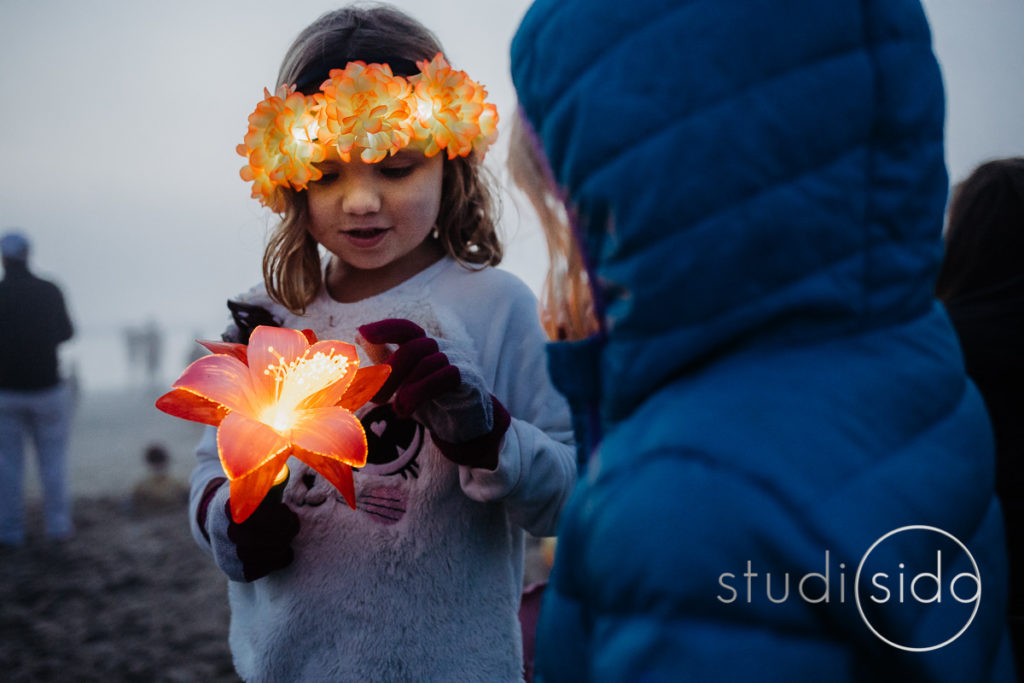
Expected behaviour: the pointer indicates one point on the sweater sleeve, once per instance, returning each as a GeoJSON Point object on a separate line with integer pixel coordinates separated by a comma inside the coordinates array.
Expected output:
{"type": "Point", "coordinates": [534, 477]}
{"type": "Point", "coordinates": [206, 472]}
{"type": "Point", "coordinates": [536, 464]}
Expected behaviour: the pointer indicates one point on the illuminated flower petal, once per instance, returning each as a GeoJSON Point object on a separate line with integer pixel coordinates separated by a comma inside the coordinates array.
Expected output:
{"type": "Point", "coordinates": [365, 106]}
{"type": "Point", "coordinates": [364, 386]}
{"type": "Point", "coordinates": [249, 491]}
{"type": "Point", "coordinates": [189, 406]}
{"type": "Point", "coordinates": [338, 473]}
{"type": "Point", "coordinates": [488, 122]}
{"type": "Point", "coordinates": [334, 350]}
{"type": "Point", "coordinates": [450, 112]}
{"type": "Point", "coordinates": [263, 188]}
{"type": "Point", "coordinates": [280, 145]}
{"type": "Point", "coordinates": [221, 379]}
{"type": "Point", "coordinates": [270, 348]}
{"type": "Point", "coordinates": [246, 445]}
{"type": "Point", "coordinates": [295, 126]}
{"type": "Point", "coordinates": [227, 348]}
{"type": "Point", "coordinates": [331, 432]}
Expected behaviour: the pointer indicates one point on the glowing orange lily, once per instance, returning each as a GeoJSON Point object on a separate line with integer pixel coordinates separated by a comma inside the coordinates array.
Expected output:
{"type": "Point", "coordinates": [285, 394]}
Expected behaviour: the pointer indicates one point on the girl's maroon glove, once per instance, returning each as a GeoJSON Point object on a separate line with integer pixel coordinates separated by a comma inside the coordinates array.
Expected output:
{"type": "Point", "coordinates": [434, 381]}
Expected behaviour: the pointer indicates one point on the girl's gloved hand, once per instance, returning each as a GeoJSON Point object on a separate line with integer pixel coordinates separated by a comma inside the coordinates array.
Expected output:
{"type": "Point", "coordinates": [259, 545]}
{"type": "Point", "coordinates": [435, 383]}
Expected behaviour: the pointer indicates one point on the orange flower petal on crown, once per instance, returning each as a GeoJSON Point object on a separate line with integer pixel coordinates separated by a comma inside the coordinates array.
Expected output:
{"type": "Point", "coordinates": [488, 123]}
{"type": "Point", "coordinates": [296, 124]}
{"type": "Point", "coordinates": [280, 145]}
{"type": "Point", "coordinates": [448, 108]}
{"type": "Point", "coordinates": [365, 106]}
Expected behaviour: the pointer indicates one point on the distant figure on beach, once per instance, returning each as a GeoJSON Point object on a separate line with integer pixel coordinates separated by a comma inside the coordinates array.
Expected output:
{"type": "Point", "coordinates": [195, 351]}
{"type": "Point", "coordinates": [34, 402]}
{"type": "Point", "coordinates": [144, 345]}
{"type": "Point", "coordinates": [159, 491]}
{"type": "Point", "coordinates": [153, 343]}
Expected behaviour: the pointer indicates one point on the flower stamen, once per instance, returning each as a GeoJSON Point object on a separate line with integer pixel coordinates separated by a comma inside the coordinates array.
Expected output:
{"type": "Point", "coordinates": [297, 381]}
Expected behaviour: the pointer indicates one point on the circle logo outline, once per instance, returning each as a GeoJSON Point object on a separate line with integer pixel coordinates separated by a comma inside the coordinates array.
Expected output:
{"type": "Point", "coordinates": [860, 566]}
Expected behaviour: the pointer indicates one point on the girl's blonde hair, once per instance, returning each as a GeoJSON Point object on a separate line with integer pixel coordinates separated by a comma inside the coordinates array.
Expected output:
{"type": "Point", "coordinates": [466, 222]}
{"type": "Point", "coordinates": [566, 302]}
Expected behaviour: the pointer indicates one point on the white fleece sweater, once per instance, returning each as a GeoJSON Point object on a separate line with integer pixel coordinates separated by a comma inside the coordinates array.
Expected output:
{"type": "Point", "coordinates": [422, 581]}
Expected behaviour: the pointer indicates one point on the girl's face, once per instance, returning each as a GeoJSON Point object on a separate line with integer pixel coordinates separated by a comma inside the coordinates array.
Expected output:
{"type": "Point", "coordinates": [376, 218]}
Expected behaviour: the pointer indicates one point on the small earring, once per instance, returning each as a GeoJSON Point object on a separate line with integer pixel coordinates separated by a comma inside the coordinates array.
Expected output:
{"type": "Point", "coordinates": [435, 233]}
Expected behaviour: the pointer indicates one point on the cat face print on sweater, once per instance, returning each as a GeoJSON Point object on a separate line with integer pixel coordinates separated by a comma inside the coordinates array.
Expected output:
{"type": "Point", "coordinates": [392, 470]}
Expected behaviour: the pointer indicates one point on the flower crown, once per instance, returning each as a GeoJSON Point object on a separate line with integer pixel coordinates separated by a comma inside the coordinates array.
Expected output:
{"type": "Point", "coordinates": [363, 106]}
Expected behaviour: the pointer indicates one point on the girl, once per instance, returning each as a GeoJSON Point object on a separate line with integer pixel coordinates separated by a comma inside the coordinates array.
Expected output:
{"type": "Point", "coordinates": [758, 190]}
{"type": "Point", "coordinates": [469, 444]}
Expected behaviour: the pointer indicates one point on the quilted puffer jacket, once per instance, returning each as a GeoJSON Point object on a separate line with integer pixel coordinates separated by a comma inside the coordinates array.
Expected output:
{"type": "Point", "coordinates": [793, 477]}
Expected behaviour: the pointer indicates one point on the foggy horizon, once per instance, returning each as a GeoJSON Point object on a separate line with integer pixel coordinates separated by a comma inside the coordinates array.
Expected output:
{"type": "Point", "coordinates": [123, 120]}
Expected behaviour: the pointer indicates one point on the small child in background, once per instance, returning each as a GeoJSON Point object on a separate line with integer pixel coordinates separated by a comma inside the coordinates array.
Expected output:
{"type": "Point", "coordinates": [470, 446]}
{"type": "Point", "coordinates": [159, 491]}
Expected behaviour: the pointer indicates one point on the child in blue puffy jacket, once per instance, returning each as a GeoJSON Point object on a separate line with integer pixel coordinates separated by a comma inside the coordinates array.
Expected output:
{"type": "Point", "coordinates": [786, 474]}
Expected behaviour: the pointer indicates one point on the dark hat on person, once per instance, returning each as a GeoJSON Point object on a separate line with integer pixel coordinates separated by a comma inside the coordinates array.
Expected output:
{"type": "Point", "coordinates": [14, 246]}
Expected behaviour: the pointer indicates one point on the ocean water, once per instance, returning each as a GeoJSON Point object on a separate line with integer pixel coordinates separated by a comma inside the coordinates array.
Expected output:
{"type": "Point", "coordinates": [100, 358]}
{"type": "Point", "coordinates": [111, 430]}
{"type": "Point", "coordinates": [115, 419]}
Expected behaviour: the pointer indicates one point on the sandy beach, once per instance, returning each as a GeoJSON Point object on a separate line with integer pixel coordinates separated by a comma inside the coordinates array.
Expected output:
{"type": "Point", "coordinates": [130, 597]}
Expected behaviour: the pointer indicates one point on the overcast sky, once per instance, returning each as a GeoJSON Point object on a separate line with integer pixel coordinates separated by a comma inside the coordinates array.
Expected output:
{"type": "Point", "coordinates": [121, 120]}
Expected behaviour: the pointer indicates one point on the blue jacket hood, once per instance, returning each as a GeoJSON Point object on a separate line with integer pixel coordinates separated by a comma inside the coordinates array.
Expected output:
{"type": "Point", "coordinates": [776, 185]}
